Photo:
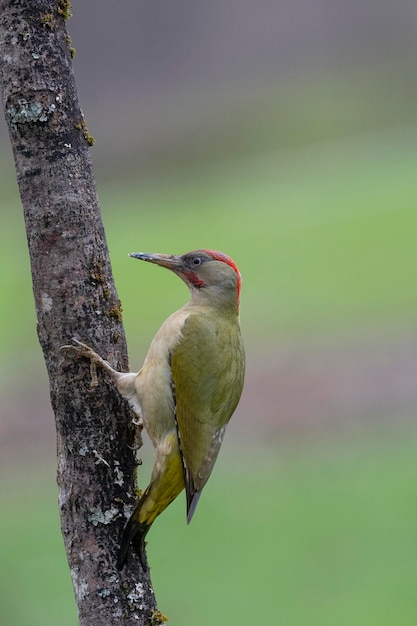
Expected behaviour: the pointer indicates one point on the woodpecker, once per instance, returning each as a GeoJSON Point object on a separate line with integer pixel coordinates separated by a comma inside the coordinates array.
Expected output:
{"type": "Point", "coordinates": [188, 387]}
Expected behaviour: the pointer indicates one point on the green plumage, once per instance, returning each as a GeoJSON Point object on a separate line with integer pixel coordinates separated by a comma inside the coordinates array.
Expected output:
{"type": "Point", "coordinates": [207, 371]}
{"type": "Point", "coordinates": [188, 387]}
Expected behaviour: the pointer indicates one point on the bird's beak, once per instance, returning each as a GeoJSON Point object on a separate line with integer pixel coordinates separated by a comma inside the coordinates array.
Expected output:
{"type": "Point", "coordinates": [170, 261]}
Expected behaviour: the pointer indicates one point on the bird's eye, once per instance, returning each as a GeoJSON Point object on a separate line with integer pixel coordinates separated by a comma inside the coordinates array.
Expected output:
{"type": "Point", "coordinates": [196, 261]}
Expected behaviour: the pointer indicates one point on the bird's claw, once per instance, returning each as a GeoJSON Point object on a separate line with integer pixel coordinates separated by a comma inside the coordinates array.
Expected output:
{"type": "Point", "coordinates": [80, 350]}
{"type": "Point", "coordinates": [69, 353]}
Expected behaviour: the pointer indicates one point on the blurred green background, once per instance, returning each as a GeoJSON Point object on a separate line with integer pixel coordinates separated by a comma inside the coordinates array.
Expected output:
{"type": "Point", "coordinates": [286, 136]}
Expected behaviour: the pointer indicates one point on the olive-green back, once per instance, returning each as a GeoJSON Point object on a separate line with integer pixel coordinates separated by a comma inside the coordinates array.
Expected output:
{"type": "Point", "coordinates": [208, 366]}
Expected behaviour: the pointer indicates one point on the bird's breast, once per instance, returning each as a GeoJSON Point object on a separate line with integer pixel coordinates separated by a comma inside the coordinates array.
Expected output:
{"type": "Point", "coordinates": [154, 387]}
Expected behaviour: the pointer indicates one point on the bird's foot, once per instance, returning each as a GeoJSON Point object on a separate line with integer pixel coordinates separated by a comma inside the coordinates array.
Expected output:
{"type": "Point", "coordinates": [81, 350]}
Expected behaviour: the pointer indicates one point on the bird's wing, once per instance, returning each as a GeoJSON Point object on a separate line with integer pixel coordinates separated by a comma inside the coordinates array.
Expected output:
{"type": "Point", "coordinates": [207, 375]}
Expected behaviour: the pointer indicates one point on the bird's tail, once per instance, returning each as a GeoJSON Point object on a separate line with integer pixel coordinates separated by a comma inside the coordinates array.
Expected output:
{"type": "Point", "coordinates": [134, 533]}
{"type": "Point", "coordinates": [157, 496]}
{"type": "Point", "coordinates": [166, 483]}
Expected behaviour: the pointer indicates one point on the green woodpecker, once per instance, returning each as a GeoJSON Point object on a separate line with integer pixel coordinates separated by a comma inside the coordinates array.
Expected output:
{"type": "Point", "coordinates": [188, 387]}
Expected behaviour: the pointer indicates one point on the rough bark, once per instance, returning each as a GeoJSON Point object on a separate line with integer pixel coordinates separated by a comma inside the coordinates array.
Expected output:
{"type": "Point", "coordinates": [74, 296]}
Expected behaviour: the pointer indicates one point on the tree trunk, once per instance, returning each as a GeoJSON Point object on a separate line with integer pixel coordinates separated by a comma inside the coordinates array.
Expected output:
{"type": "Point", "coordinates": [74, 296]}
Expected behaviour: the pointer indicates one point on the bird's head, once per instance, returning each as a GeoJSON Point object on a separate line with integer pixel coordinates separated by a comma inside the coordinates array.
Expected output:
{"type": "Point", "coordinates": [209, 274]}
